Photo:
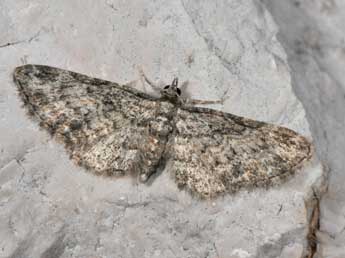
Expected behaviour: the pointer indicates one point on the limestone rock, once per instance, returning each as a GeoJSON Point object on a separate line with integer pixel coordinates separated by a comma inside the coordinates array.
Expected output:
{"type": "Point", "coordinates": [51, 208]}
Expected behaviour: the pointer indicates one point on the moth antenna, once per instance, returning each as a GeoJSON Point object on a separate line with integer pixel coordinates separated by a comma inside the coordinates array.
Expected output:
{"type": "Point", "coordinates": [175, 82]}
{"type": "Point", "coordinates": [212, 152]}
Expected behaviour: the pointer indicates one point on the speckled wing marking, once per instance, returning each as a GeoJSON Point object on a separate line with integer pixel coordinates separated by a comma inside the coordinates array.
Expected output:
{"type": "Point", "coordinates": [214, 152]}
{"type": "Point", "coordinates": [115, 130]}
{"type": "Point", "coordinates": [111, 129]}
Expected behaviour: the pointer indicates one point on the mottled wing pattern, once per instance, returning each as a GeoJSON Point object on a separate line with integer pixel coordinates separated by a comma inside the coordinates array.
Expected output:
{"type": "Point", "coordinates": [215, 152]}
{"type": "Point", "coordinates": [115, 130]}
{"type": "Point", "coordinates": [108, 128]}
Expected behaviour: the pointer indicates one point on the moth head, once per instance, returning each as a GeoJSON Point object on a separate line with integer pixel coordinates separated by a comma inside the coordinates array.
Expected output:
{"type": "Point", "coordinates": [172, 91]}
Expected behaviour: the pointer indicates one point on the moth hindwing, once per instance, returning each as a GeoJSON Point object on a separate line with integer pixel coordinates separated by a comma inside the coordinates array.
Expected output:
{"type": "Point", "coordinates": [116, 130]}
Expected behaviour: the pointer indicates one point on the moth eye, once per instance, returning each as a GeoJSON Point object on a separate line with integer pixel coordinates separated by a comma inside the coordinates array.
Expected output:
{"type": "Point", "coordinates": [103, 111]}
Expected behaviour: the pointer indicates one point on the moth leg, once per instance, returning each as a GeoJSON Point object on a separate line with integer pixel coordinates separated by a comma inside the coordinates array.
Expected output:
{"type": "Point", "coordinates": [188, 100]}
{"type": "Point", "coordinates": [204, 102]}
{"type": "Point", "coordinates": [132, 84]}
{"type": "Point", "coordinates": [144, 79]}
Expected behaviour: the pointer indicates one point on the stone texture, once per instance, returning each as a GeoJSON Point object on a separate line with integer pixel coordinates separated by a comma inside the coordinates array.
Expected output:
{"type": "Point", "coordinates": [51, 208]}
{"type": "Point", "coordinates": [312, 33]}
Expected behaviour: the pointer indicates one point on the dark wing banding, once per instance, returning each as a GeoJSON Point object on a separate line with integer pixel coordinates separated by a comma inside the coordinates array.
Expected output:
{"type": "Point", "coordinates": [214, 152]}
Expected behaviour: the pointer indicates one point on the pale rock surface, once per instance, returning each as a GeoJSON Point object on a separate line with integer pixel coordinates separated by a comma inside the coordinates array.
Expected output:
{"type": "Point", "coordinates": [313, 34]}
{"type": "Point", "coordinates": [51, 208]}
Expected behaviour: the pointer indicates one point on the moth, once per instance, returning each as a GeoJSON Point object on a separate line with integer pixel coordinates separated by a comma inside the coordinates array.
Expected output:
{"type": "Point", "coordinates": [116, 130]}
